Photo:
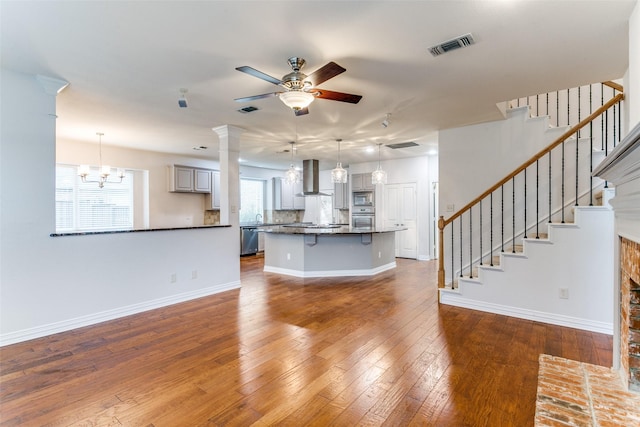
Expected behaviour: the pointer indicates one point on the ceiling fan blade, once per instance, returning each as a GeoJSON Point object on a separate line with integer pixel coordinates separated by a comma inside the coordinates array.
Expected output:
{"type": "Point", "coordinates": [253, 98]}
{"type": "Point", "coordinates": [259, 74]}
{"type": "Point", "coordinates": [337, 96]}
{"type": "Point", "coordinates": [325, 73]}
{"type": "Point", "coordinates": [302, 111]}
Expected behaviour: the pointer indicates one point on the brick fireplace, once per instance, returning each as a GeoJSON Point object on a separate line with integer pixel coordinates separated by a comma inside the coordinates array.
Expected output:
{"type": "Point", "coordinates": [571, 393]}
{"type": "Point", "coordinates": [630, 313]}
{"type": "Point", "coordinates": [622, 169]}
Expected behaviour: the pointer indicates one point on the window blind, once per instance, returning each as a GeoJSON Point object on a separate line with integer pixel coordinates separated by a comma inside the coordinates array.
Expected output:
{"type": "Point", "coordinates": [251, 199]}
{"type": "Point", "coordinates": [87, 207]}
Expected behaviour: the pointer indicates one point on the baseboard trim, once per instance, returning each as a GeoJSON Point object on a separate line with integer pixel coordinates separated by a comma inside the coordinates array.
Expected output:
{"type": "Point", "coordinates": [330, 273]}
{"type": "Point", "coordinates": [92, 319]}
{"type": "Point", "coordinates": [457, 300]}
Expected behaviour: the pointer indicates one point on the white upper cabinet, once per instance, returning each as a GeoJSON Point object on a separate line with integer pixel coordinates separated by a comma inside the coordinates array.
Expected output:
{"type": "Point", "coordinates": [186, 179]}
{"type": "Point", "coordinates": [361, 181]}
{"type": "Point", "coordinates": [212, 199]}
{"type": "Point", "coordinates": [284, 195]}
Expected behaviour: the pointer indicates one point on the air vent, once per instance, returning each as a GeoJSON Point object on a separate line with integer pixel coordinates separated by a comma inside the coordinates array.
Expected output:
{"type": "Point", "coordinates": [248, 109]}
{"type": "Point", "coordinates": [200, 147]}
{"type": "Point", "coordinates": [402, 145]}
{"type": "Point", "coordinates": [457, 43]}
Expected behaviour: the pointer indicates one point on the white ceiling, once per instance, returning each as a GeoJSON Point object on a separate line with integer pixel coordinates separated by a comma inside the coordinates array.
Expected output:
{"type": "Point", "coordinates": [126, 62]}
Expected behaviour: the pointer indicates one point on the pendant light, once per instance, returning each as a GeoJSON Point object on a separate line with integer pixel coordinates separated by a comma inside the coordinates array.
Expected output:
{"type": "Point", "coordinates": [104, 170]}
{"type": "Point", "coordinates": [379, 176]}
{"type": "Point", "coordinates": [339, 175]}
{"type": "Point", "coordinates": [292, 175]}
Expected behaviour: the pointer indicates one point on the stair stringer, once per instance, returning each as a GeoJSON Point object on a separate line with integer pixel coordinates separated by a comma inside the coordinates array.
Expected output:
{"type": "Point", "coordinates": [527, 285]}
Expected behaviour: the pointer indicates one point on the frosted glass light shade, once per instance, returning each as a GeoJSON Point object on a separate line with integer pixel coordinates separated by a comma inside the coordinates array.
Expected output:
{"type": "Point", "coordinates": [378, 177]}
{"type": "Point", "coordinates": [83, 170]}
{"type": "Point", "coordinates": [339, 175]}
{"type": "Point", "coordinates": [291, 176]}
{"type": "Point", "coordinates": [296, 99]}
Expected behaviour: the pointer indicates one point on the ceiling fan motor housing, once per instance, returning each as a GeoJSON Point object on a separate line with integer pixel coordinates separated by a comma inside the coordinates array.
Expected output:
{"type": "Point", "coordinates": [295, 81]}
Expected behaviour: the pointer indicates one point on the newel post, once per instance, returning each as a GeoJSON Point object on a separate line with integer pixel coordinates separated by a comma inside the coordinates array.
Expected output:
{"type": "Point", "coordinates": [441, 253]}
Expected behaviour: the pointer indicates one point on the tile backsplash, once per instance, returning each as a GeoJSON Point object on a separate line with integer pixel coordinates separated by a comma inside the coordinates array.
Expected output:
{"type": "Point", "coordinates": [284, 217]}
{"type": "Point", "coordinates": [211, 217]}
{"type": "Point", "coordinates": [270, 216]}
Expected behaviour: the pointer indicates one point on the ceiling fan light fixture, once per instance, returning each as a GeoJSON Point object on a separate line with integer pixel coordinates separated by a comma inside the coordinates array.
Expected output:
{"type": "Point", "coordinates": [296, 99]}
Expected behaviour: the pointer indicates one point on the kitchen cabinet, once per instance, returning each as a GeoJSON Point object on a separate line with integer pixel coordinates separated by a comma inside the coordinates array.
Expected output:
{"type": "Point", "coordinates": [284, 195]}
{"type": "Point", "coordinates": [341, 196]}
{"type": "Point", "coordinates": [212, 199]}
{"type": "Point", "coordinates": [361, 181]}
{"type": "Point", "coordinates": [201, 181]}
{"type": "Point", "coordinates": [186, 179]}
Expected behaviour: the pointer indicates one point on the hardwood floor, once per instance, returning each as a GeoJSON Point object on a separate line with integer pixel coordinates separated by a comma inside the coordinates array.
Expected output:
{"type": "Point", "coordinates": [293, 352]}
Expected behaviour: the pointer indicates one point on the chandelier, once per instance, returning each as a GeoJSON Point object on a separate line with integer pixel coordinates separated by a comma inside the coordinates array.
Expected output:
{"type": "Point", "coordinates": [339, 175]}
{"type": "Point", "coordinates": [379, 176]}
{"type": "Point", "coordinates": [104, 170]}
{"type": "Point", "coordinates": [292, 175]}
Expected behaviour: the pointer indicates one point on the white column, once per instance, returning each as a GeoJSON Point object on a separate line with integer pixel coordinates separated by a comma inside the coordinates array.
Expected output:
{"type": "Point", "coordinates": [229, 137]}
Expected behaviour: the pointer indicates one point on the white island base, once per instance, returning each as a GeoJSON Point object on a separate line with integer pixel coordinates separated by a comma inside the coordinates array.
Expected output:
{"type": "Point", "coordinates": [329, 255]}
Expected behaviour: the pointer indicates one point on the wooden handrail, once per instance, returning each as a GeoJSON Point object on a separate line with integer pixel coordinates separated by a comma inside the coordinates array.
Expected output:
{"type": "Point", "coordinates": [614, 85]}
{"type": "Point", "coordinates": [619, 97]}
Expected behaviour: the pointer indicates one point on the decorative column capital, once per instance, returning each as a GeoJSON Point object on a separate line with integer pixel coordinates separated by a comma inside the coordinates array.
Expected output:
{"type": "Point", "coordinates": [51, 85]}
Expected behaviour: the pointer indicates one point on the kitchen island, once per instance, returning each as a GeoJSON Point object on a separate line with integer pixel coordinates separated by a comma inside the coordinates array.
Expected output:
{"type": "Point", "coordinates": [328, 250]}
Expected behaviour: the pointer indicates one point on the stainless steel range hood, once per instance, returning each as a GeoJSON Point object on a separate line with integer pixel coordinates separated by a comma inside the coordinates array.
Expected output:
{"type": "Point", "coordinates": [311, 179]}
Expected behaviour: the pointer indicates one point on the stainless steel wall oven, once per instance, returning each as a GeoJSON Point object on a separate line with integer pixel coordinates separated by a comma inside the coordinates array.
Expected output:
{"type": "Point", "coordinates": [363, 217]}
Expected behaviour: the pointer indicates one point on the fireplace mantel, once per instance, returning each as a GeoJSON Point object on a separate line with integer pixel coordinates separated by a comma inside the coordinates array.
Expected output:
{"type": "Point", "coordinates": [623, 163]}
{"type": "Point", "coordinates": [622, 168]}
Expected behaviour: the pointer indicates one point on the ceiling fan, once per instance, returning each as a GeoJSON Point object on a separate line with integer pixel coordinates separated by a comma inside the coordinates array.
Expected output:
{"type": "Point", "coordinates": [301, 89]}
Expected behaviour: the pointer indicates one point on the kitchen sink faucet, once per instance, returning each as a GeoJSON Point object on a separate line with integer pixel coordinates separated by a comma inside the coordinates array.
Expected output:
{"type": "Point", "coordinates": [258, 220]}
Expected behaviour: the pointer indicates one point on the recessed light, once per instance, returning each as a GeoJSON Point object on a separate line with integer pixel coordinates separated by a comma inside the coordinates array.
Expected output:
{"type": "Point", "coordinates": [370, 149]}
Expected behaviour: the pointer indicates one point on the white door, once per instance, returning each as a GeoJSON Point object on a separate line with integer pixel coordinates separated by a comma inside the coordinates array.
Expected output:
{"type": "Point", "coordinates": [401, 209]}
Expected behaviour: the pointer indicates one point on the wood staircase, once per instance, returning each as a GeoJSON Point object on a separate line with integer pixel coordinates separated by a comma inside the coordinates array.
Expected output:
{"type": "Point", "coordinates": [467, 261]}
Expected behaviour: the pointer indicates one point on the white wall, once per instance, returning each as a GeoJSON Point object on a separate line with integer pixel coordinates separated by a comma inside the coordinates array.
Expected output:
{"type": "Point", "coordinates": [529, 286]}
{"type": "Point", "coordinates": [50, 284]}
{"type": "Point", "coordinates": [632, 83]}
{"type": "Point", "coordinates": [473, 158]}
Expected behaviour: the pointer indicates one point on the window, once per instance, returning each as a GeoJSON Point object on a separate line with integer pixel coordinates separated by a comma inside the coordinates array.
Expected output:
{"type": "Point", "coordinates": [251, 199]}
{"type": "Point", "coordinates": [87, 207]}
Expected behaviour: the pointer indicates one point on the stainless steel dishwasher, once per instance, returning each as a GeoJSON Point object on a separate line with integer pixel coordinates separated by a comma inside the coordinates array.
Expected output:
{"type": "Point", "coordinates": [248, 240]}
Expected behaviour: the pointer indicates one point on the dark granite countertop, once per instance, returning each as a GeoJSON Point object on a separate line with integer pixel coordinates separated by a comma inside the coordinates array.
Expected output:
{"type": "Point", "coordinates": [89, 233]}
{"type": "Point", "coordinates": [328, 229]}
{"type": "Point", "coordinates": [261, 224]}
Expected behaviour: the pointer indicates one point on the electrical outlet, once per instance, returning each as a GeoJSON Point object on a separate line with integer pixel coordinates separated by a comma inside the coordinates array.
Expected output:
{"type": "Point", "coordinates": [564, 293]}
{"type": "Point", "coordinates": [379, 254]}
{"type": "Point", "coordinates": [451, 208]}
{"type": "Point", "coordinates": [194, 274]}
{"type": "Point", "coordinates": [288, 257]}
{"type": "Point", "coordinates": [173, 278]}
